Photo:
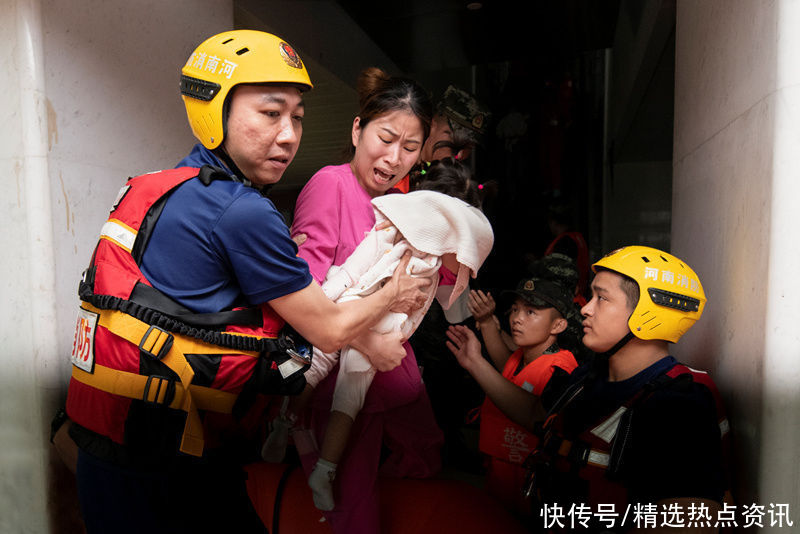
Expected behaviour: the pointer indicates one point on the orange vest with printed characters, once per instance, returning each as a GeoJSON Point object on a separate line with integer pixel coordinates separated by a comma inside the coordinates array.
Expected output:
{"type": "Point", "coordinates": [508, 444]}
{"type": "Point", "coordinates": [499, 436]}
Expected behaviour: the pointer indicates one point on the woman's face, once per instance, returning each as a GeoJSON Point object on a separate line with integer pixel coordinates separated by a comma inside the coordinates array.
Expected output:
{"type": "Point", "coordinates": [386, 149]}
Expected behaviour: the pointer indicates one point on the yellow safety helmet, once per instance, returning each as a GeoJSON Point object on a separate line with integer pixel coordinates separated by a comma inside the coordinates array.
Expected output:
{"type": "Point", "coordinates": [229, 59]}
{"type": "Point", "coordinates": [671, 298]}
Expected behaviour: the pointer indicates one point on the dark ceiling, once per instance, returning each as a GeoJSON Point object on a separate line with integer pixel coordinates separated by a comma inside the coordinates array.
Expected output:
{"type": "Point", "coordinates": [540, 32]}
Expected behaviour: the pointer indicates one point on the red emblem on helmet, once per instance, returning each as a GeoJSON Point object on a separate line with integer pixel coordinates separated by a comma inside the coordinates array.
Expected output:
{"type": "Point", "coordinates": [290, 56]}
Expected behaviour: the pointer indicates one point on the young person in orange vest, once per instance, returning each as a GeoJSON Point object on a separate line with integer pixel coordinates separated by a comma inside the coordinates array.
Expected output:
{"type": "Point", "coordinates": [536, 318]}
{"type": "Point", "coordinates": [554, 266]}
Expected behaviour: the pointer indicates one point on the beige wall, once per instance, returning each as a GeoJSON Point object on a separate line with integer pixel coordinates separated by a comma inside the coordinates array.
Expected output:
{"type": "Point", "coordinates": [735, 192]}
{"type": "Point", "coordinates": [89, 98]}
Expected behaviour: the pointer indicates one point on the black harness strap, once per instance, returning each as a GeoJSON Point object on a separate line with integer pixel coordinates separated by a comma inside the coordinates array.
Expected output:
{"type": "Point", "coordinates": [152, 298]}
{"type": "Point", "coordinates": [150, 305]}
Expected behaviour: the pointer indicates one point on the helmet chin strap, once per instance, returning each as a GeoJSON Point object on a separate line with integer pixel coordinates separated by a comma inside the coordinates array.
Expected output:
{"type": "Point", "coordinates": [621, 343]}
{"type": "Point", "coordinates": [600, 365]}
{"type": "Point", "coordinates": [237, 174]}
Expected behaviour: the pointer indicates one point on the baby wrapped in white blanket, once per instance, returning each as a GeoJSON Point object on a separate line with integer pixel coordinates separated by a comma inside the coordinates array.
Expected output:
{"type": "Point", "coordinates": [430, 225]}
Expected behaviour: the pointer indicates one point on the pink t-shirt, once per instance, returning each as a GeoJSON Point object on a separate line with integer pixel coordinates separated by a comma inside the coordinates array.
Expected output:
{"type": "Point", "coordinates": [334, 211]}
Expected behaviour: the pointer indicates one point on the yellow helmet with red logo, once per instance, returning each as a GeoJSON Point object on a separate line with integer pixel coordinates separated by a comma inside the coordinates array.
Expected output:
{"type": "Point", "coordinates": [671, 298]}
{"type": "Point", "coordinates": [229, 59]}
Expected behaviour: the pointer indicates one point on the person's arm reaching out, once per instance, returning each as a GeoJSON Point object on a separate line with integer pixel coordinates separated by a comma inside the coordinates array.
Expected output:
{"type": "Point", "coordinates": [517, 404]}
{"type": "Point", "coordinates": [482, 307]}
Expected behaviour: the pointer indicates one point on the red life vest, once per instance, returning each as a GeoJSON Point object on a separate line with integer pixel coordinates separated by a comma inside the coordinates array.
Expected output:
{"type": "Point", "coordinates": [403, 185]}
{"type": "Point", "coordinates": [506, 443]}
{"type": "Point", "coordinates": [134, 344]}
{"type": "Point", "coordinates": [589, 457]}
{"type": "Point", "coordinates": [499, 436]}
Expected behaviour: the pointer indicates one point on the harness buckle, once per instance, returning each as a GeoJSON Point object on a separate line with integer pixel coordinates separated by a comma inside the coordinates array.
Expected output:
{"type": "Point", "coordinates": [579, 453]}
{"type": "Point", "coordinates": [292, 344]}
{"type": "Point", "coordinates": [158, 346]}
{"type": "Point", "coordinates": [158, 381]}
{"type": "Point", "coordinates": [302, 355]}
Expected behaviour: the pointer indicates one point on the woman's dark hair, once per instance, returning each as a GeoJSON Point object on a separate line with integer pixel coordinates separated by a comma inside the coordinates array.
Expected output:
{"type": "Point", "coordinates": [380, 93]}
{"type": "Point", "coordinates": [448, 176]}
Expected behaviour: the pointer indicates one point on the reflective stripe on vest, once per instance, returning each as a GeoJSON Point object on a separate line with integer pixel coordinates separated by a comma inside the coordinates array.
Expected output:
{"type": "Point", "coordinates": [119, 233]}
{"type": "Point", "coordinates": [170, 349]}
{"type": "Point", "coordinates": [105, 382]}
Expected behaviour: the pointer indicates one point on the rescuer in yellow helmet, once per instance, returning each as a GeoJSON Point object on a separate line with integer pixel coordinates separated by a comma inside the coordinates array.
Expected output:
{"type": "Point", "coordinates": [229, 59]}
{"type": "Point", "coordinates": [184, 303]}
{"type": "Point", "coordinates": [633, 427]}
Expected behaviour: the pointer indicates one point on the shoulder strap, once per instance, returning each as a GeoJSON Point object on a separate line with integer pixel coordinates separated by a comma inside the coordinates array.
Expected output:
{"type": "Point", "coordinates": [572, 392]}
{"type": "Point", "coordinates": [157, 188]}
{"type": "Point", "coordinates": [622, 437]}
{"type": "Point", "coordinates": [169, 181]}
{"type": "Point", "coordinates": [569, 395]}
{"type": "Point", "coordinates": [209, 173]}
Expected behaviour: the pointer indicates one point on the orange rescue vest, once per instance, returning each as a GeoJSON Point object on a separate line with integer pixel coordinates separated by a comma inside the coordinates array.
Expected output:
{"type": "Point", "coordinates": [133, 344]}
{"type": "Point", "coordinates": [499, 436]}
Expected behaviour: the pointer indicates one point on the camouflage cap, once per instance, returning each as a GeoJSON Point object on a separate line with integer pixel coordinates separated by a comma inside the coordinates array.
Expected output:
{"type": "Point", "coordinates": [571, 337]}
{"type": "Point", "coordinates": [463, 110]}
{"type": "Point", "coordinates": [556, 266]}
{"type": "Point", "coordinates": [544, 293]}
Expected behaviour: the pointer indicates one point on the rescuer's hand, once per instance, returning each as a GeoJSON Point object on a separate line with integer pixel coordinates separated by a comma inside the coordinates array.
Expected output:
{"type": "Point", "coordinates": [408, 291]}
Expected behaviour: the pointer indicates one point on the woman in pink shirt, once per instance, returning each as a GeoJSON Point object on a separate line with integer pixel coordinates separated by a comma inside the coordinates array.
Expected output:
{"type": "Point", "coordinates": [334, 213]}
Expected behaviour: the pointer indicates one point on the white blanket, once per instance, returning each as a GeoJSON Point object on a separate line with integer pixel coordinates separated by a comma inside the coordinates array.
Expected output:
{"type": "Point", "coordinates": [428, 223]}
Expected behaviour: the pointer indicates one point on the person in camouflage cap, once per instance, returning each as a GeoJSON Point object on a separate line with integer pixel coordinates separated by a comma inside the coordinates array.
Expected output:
{"type": "Point", "coordinates": [513, 377]}
{"type": "Point", "coordinates": [561, 268]}
{"type": "Point", "coordinates": [555, 270]}
{"type": "Point", "coordinates": [556, 266]}
{"type": "Point", "coordinates": [459, 124]}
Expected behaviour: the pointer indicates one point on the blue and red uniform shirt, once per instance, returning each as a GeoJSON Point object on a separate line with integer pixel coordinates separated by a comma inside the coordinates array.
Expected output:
{"type": "Point", "coordinates": [221, 245]}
